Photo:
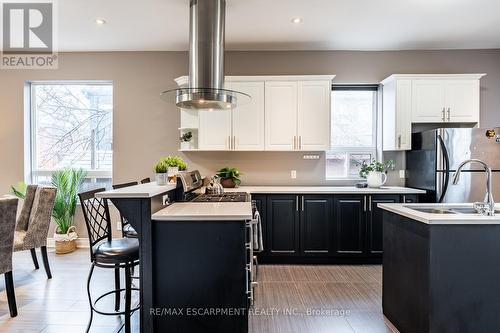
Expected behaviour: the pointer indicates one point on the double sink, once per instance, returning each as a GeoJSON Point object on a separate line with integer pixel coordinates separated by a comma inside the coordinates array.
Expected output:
{"type": "Point", "coordinates": [447, 210]}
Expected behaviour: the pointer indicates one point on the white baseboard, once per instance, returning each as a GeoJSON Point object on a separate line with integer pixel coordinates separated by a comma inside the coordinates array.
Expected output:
{"type": "Point", "coordinates": [80, 243]}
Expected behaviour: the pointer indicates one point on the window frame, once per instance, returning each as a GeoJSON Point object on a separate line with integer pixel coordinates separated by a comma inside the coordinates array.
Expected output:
{"type": "Point", "coordinates": [34, 172]}
{"type": "Point", "coordinates": [373, 150]}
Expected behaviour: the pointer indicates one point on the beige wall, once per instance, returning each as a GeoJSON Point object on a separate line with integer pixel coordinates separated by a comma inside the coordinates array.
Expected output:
{"type": "Point", "coordinates": [145, 127]}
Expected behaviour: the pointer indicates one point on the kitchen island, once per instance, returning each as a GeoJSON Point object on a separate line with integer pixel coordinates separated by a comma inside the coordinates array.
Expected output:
{"type": "Point", "coordinates": [193, 260]}
{"type": "Point", "coordinates": [441, 268]}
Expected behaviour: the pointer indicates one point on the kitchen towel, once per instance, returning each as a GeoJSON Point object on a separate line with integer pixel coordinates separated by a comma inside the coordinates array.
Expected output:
{"type": "Point", "coordinates": [258, 243]}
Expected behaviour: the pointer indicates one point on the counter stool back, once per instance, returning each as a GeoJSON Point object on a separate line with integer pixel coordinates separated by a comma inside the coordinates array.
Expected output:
{"type": "Point", "coordinates": [127, 229]}
{"type": "Point", "coordinates": [106, 252]}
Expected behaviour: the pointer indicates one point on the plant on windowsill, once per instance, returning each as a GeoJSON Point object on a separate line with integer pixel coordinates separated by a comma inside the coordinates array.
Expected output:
{"type": "Point", "coordinates": [230, 177]}
{"type": "Point", "coordinates": [68, 183]}
{"type": "Point", "coordinates": [168, 168]}
{"type": "Point", "coordinates": [375, 172]}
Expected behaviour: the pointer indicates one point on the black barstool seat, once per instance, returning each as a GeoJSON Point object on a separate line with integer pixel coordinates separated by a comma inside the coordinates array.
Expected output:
{"type": "Point", "coordinates": [129, 232]}
{"type": "Point", "coordinates": [117, 251]}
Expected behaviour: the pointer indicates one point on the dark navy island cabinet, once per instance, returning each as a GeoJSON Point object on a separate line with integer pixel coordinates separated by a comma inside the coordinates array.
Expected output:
{"type": "Point", "coordinates": [326, 228]}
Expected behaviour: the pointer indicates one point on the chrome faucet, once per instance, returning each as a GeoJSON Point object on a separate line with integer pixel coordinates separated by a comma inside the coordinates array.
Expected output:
{"type": "Point", "coordinates": [488, 206]}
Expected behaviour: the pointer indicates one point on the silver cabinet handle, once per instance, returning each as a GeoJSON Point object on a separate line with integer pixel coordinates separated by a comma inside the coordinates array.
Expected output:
{"type": "Point", "coordinates": [234, 142]}
{"type": "Point", "coordinates": [449, 111]}
{"type": "Point", "coordinates": [229, 142]}
{"type": "Point", "coordinates": [370, 203]}
{"type": "Point", "coordinates": [302, 203]}
{"type": "Point", "coordinates": [297, 203]}
{"type": "Point", "coordinates": [399, 141]}
{"type": "Point", "coordinates": [293, 142]}
{"type": "Point", "coordinates": [404, 198]}
{"type": "Point", "coordinates": [300, 142]}
{"type": "Point", "coordinates": [443, 117]}
{"type": "Point", "coordinates": [364, 203]}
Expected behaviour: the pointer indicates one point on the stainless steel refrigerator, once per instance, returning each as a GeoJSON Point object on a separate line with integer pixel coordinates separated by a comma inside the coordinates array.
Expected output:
{"type": "Point", "coordinates": [436, 154]}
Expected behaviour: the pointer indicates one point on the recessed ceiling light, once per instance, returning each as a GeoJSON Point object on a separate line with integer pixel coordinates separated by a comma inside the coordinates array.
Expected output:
{"type": "Point", "coordinates": [100, 21]}
{"type": "Point", "coordinates": [296, 20]}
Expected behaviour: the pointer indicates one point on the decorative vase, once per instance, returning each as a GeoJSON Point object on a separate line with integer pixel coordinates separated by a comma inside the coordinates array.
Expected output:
{"type": "Point", "coordinates": [66, 243]}
{"type": "Point", "coordinates": [227, 183]}
{"type": "Point", "coordinates": [376, 179]}
{"type": "Point", "coordinates": [172, 173]}
{"type": "Point", "coordinates": [161, 178]}
{"type": "Point", "coordinates": [185, 145]}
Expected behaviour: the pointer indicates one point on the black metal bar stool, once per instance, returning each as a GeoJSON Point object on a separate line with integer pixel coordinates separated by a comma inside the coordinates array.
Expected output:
{"type": "Point", "coordinates": [127, 230]}
{"type": "Point", "coordinates": [106, 252]}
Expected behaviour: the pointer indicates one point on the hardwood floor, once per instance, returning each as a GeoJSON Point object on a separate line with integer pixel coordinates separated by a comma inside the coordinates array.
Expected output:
{"type": "Point", "coordinates": [289, 298]}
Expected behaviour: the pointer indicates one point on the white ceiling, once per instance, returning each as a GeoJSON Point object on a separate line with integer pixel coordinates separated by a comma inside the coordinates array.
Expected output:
{"type": "Point", "coordinates": [265, 24]}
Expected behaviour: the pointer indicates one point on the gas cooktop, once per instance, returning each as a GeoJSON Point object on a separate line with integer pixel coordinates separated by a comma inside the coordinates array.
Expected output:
{"type": "Point", "coordinates": [226, 197]}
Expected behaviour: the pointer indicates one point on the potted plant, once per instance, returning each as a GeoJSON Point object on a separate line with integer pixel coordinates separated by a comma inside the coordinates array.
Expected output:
{"type": "Point", "coordinates": [230, 177]}
{"type": "Point", "coordinates": [186, 140]}
{"type": "Point", "coordinates": [68, 183]}
{"type": "Point", "coordinates": [161, 172]}
{"type": "Point", "coordinates": [168, 168]}
{"type": "Point", "coordinates": [375, 172]}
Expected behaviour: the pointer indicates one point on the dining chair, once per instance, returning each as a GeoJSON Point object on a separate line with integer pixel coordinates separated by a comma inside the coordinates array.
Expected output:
{"type": "Point", "coordinates": [35, 234]}
{"type": "Point", "coordinates": [8, 209]}
{"type": "Point", "coordinates": [106, 252]}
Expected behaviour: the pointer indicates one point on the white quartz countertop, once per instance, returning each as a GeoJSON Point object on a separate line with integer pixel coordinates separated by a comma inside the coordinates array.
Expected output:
{"type": "Point", "coordinates": [205, 211]}
{"type": "Point", "coordinates": [324, 190]}
{"type": "Point", "coordinates": [431, 218]}
{"type": "Point", "coordinates": [147, 190]}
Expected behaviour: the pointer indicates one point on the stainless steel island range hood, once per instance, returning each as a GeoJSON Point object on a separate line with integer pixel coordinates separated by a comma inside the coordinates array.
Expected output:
{"type": "Point", "coordinates": [205, 90]}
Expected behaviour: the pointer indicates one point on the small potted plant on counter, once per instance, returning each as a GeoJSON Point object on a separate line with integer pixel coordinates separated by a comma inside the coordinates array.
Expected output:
{"type": "Point", "coordinates": [375, 173]}
{"type": "Point", "coordinates": [186, 140]}
{"type": "Point", "coordinates": [230, 177]}
{"type": "Point", "coordinates": [168, 168]}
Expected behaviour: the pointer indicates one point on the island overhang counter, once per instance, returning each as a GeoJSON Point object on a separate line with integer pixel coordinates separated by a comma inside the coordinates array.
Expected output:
{"type": "Point", "coordinates": [440, 271]}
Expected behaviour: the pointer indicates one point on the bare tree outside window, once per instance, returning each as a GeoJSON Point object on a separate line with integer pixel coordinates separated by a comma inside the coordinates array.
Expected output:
{"type": "Point", "coordinates": [72, 127]}
{"type": "Point", "coordinates": [353, 124]}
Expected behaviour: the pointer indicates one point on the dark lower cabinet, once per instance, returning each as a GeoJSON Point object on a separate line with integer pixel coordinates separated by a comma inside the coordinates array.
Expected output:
{"type": "Point", "coordinates": [349, 225]}
{"type": "Point", "coordinates": [282, 220]}
{"type": "Point", "coordinates": [316, 217]}
{"type": "Point", "coordinates": [335, 227]}
{"type": "Point", "coordinates": [374, 222]}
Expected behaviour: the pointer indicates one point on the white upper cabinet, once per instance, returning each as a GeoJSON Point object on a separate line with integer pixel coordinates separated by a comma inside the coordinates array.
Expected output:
{"type": "Point", "coordinates": [428, 101]}
{"type": "Point", "coordinates": [462, 101]}
{"type": "Point", "coordinates": [215, 130]}
{"type": "Point", "coordinates": [248, 119]}
{"type": "Point", "coordinates": [314, 115]}
{"type": "Point", "coordinates": [286, 113]}
{"type": "Point", "coordinates": [446, 99]}
{"type": "Point", "coordinates": [396, 116]}
{"type": "Point", "coordinates": [426, 98]}
{"type": "Point", "coordinates": [281, 115]}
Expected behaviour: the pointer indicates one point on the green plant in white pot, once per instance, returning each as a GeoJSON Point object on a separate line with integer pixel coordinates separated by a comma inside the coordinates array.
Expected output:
{"type": "Point", "coordinates": [167, 169]}
{"type": "Point", "coordinates": [375, 172]}
{"type": "Point", "coordinates": [68, 183]}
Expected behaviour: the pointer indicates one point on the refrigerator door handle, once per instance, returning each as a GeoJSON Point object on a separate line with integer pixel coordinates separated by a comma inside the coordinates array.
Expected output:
{"type": "Point", "coordinates": [446, 171]}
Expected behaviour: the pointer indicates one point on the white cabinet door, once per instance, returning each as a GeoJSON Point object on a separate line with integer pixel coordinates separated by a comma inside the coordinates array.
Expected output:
{"type": "Point", "coordinates": [314, 115]}
{"type": "Point", "coordinates": [215, 130]}
{"type": "Point", "coordinates": [248, 119]}
{"type": "Point", "coordinates": [403, 114]}
{"type": "Point", "coordinates": [428, 102]}
{"type": "Point", "coordinates": [281, 115]}
{"type": "Point", "coordinates": [462, 101]}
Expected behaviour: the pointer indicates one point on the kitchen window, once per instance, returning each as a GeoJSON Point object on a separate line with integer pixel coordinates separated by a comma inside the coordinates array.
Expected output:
{"type": "Point", "coordinates": [353, 130]}
{"type": "Point", "coordinates": [71, 125]}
